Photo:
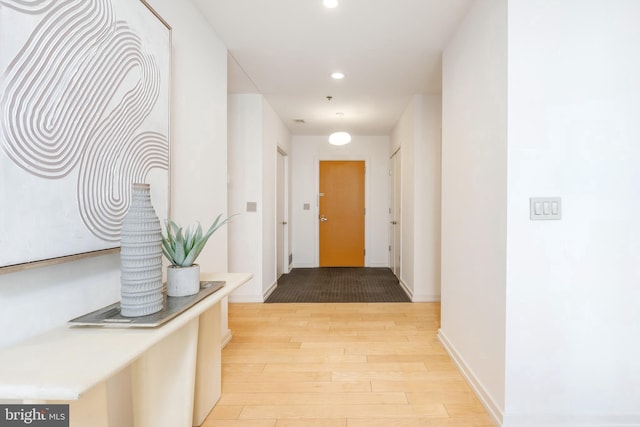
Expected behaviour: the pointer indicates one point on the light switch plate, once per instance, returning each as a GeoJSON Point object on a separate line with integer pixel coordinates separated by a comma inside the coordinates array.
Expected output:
{"type": "Point", "coordinates": [252, 206]}
{"type": "Point", "coordinates": [545, 208]}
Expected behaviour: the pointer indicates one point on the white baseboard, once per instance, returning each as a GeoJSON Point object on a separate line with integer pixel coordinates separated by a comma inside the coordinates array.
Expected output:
{"type": "Point", "coordinates": [532, 420]}
{"type": "Point", "coordinates": [426, 298]}
{"type": "Point", "coordinates": [406, 289]}
{"type": "Point", "coordinates": [226, 338]}
{"type": "Point", "coordinates": [468, 373]}
{"type": "Point", "coordinates": [567, 420]}
{"type": "Point", "coordinates": [304, 265]}
{"type": "Point", "coordinates": [312, 265]}
{"type": "Point", "coordinates": [379, 265]}
{"type": "Point", "coordinates": [272, 288]}
{"type": "Point", "coordinates": [245, 298]}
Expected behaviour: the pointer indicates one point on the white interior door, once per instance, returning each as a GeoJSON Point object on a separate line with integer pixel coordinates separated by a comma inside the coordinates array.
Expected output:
{"type": "Point", "coordinates": [394, 213]}
{"type": "Point", "coordinates": [281, 217]}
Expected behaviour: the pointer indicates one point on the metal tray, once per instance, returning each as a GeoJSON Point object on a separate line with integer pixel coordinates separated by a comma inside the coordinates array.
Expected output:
{"type": "Point", "coordinates": [110, 316]}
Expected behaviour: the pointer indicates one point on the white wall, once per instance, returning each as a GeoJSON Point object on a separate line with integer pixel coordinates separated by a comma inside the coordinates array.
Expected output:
{"type": "Point", "coordinates": [404, 136]}
{"type": "Point", "coordinates": [275, 135]}
{"type": "Point", "coordinates": [245, 185]}
{"type": "Point", "coordinates": [199, 126]}
{"type": "Point", "coordinates": [418, 136]}
{"type": "Point", "coordinates": [570, 355]}
{"type": "Point", "coordinates": [573, 317]}
{"type": "Point", "coordinates": [305, 157]}
{"type": "Point", "coordinates": [427, 204]}
{"type": "Point", "coordinates": [255, 133]}
{"type": "Point", "coordinates": [36, 300]}
{"type": "Point", "coordinates": [474, 198]}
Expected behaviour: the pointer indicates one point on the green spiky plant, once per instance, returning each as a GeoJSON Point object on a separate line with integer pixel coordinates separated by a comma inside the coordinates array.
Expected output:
{"type": "Point", "coordinates": [182, 248]}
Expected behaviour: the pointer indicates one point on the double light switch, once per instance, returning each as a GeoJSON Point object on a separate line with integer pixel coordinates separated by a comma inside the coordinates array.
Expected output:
{"type": "Point", "coordinates": [545, 208]}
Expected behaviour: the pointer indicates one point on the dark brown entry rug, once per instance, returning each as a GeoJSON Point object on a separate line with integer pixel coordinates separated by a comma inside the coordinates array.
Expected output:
{"type": "Point", "coordinates": [339, 284]}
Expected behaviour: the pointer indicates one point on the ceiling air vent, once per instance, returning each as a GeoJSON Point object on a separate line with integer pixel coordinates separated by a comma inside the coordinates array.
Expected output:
{"type": "Point", "coordinates": [301, 121]}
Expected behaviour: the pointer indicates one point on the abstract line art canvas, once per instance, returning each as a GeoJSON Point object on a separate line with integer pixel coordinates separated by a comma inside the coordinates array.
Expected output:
{"type": "Point", "coordinates": [84, 113]}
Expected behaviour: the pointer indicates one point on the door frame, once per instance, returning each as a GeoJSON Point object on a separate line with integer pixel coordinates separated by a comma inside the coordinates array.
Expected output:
{"type": "Point", "coordinates": [286, 267]}
{"type": "Point", "coordinates": [395, 203]}
{"type": "Point", "coordinates": [367, 222]}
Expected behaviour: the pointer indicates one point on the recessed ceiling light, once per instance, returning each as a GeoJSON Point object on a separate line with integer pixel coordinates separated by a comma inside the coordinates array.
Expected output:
{"type": "Point", "coordinates": [337, 76]}
{"type": "Point", "coordinates": [330, 3]}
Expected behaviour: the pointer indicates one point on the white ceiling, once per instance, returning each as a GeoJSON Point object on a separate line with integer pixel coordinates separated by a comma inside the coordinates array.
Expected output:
{"type": "Point", "coordinates": [286, 50]}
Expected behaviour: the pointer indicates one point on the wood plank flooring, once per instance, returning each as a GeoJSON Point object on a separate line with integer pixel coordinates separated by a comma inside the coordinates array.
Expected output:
{"type": "Point", "coordinates": [341, 365]}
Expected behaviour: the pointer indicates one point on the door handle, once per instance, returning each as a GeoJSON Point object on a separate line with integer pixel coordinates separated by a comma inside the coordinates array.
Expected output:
{"type": "Point", "coordinates": [284, 223]}
{"type": "Point", "coordinates": [394, 222]}
{"type": "Point", "coordinates": [323, 218]}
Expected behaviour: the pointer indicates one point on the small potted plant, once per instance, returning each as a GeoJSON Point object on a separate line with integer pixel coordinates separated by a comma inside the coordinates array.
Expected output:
{"type": "Point", "coordinates": [182, 248]}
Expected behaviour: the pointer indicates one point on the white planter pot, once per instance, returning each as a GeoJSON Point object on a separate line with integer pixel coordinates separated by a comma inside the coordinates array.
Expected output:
{"type": "Point", "coordinates": [183, 281]}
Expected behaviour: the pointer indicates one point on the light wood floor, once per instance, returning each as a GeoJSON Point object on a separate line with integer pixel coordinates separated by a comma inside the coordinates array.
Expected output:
{"type": "Point", "coordinates": [341, 365]}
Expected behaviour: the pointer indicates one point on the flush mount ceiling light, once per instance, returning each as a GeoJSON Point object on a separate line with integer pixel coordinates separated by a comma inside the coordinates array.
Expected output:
{"type": "Point", "coordinates": [339, 138]}
{"type": "Point", "coordinates": [337, 75]}
{"type": "Point", "coordinates": [330, 4]}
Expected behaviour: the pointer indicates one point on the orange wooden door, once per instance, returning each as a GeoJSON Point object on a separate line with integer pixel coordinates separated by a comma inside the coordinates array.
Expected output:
{"type": "Point", "coordinates": [342, 213]}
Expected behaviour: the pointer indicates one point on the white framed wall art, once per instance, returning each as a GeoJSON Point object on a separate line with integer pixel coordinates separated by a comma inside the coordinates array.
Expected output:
{"type": "Point", "coordinates": [84, 113]}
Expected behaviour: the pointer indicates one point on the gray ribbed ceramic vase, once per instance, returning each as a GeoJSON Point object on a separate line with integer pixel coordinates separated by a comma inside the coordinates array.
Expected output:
{"type": "Point", "coordinates": [141, 257]}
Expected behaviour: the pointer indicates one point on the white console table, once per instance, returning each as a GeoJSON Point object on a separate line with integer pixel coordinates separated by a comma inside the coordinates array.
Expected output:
{"type": "Point", "coordinates": [175, 368]}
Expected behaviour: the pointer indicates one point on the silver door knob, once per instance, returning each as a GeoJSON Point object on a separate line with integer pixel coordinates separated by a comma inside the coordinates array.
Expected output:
{"type": "Point", "coordinates": [323, 218]}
